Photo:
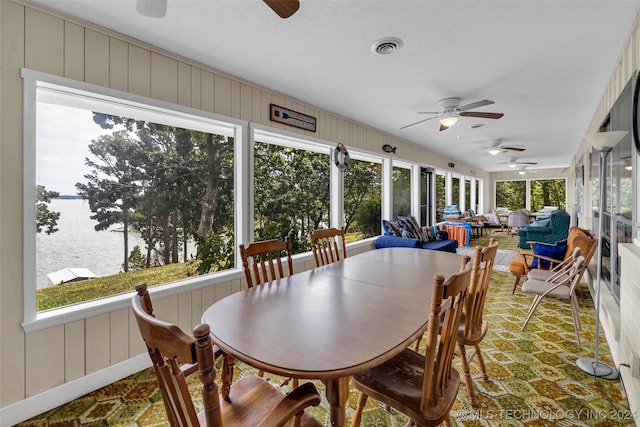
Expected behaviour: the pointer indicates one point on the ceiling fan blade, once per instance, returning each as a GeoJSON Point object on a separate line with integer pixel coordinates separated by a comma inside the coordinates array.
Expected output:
{"type": "Point", "coordinates": [428, 112]}
{"type": "Point", "coordinates": [527, 163]}
{"type": "Point", "coordinates": [481, 114]}
{"type": "Point", "coordinates": [475, 105]}
{"type": "Point", "coordinates": [443, 127]}
{"type": "Point", "coordinates": [284, 8]}
{"type": "Point", "coordinates": [404, 127]}
{"type": "Point", "coordinates": [512, 148]}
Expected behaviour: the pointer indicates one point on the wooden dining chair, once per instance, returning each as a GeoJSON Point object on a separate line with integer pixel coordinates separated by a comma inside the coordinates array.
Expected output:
{"type": "Point", "coordinates": [262, 261]}
{"type": "Point", "coordinates": [187, 369]}
{"type": "Point", "coordinates": [327, 245]}
{"type": "Point", "coordinates": [559, 288]}
{"type": "Point", "coordinates": [249, 402]}
{"type": "Point", "coordinates": [423, 387]}
{"type": "Point", "coordinates": [473, 327]}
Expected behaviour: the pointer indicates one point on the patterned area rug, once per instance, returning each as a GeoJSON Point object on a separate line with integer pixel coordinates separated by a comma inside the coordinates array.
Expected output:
{"type": "Point", "coordinates": [533, 377]}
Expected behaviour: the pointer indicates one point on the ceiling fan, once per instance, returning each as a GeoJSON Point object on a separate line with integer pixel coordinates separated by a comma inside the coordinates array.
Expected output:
{"type": "Point", "coordinates": [450, 110]}
{"type": "Point", "coordinates": [514, 162]}
{"type": "Point", "coordinates": [158, 8]}
{"type": "Point", "coordinates": [497, 147]}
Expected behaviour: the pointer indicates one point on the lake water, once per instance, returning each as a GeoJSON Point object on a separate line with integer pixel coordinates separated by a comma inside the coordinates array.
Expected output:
{"type": "Point", "coordinates": [76, 243]}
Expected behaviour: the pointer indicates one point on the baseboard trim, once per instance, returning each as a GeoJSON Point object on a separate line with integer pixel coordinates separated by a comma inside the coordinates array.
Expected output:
{"type": "Point", "coordinates": [45, 401]}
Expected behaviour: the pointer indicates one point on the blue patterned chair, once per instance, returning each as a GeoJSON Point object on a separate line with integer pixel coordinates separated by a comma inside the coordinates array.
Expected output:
{"type": "Point", "coordinates": [551, 229]}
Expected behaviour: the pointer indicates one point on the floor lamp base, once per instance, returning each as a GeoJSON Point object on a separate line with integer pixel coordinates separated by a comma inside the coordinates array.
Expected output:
{"type": "Point", "coordinates": [597, 369]}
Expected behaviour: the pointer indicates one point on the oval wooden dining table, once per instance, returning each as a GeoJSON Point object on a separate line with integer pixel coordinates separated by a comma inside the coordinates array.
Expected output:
{"type": "Point", "coordinates": [334, 321]}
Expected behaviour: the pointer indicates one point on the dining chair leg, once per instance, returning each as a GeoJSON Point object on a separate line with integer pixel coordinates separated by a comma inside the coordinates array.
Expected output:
{"type": "Point", "coordinates": [576, 308]}
{"type": "Point", "coordinates": [483, 368]}
{"type": "Point", "coordinates": [226, 376]}
{"type": "Point", "coordinates": [576, 318]}
{"type": "Point", "coordinates": [357, 416]}
{"type": "Point", "coordinates": [467, 373]}
{"type": "Point", "coordinates": [536, 301]}
{"type": "Point", "coordinates": [416, 345]}
{"type": "Point", "coordinates": [516, 281]}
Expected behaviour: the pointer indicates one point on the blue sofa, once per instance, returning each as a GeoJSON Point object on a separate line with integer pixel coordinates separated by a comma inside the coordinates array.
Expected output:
{"type": "Point", "coordinates": [405, 232]}
{"type": "Point", "coordinates": [407, 242]}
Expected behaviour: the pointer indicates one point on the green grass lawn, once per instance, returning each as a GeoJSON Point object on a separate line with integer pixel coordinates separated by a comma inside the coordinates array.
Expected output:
{"type": "Point", "coordinates": [87, 290]}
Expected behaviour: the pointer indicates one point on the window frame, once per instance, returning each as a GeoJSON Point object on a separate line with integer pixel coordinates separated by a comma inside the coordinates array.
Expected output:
{"type": "Point", "coordinates": [37, 85]}
{"type": "Point", "coordinates": [528, 188]}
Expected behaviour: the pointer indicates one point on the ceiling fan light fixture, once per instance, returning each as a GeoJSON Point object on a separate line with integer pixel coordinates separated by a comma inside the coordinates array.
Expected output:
{"type": "Point", "coordinates": [448, 121]}
{"type": "Point", "coordinates": [494, 151]}
{"type": "Point", "coordinates": [522, 172]}
{"type": "Point", "coordinates": [512, 165]}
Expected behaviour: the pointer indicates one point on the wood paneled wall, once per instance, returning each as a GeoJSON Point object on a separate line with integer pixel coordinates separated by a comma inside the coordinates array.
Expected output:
{"type": "Point", "coordinates": [33, 37]}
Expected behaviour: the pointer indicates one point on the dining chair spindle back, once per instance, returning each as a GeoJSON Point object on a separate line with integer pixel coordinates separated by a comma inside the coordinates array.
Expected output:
{"type": "Point", "coordinates": [327, 245]}
{"type": "Point", "coordinates": [262, 261]}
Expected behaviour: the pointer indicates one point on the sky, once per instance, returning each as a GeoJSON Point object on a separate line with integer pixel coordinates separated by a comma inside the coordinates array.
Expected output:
{"type": "Point", "coordinates": [63, 136]}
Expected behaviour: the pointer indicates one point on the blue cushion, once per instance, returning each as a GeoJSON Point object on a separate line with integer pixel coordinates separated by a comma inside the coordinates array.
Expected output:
{"type": "Point", "coordinates": [391, 228]}
{"type": "Point", "coordinates": [556, 251]}
{"type": "Point", "coordinates": [541, 223]}
{"type": "Point", "coordinates": [397, 242]}
{"type": "Point", "coordinates": [441, 245]}
{"type": "Point", "coordinates": [410, 225]}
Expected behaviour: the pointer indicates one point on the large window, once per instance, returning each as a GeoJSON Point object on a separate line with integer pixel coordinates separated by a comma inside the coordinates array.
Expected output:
{"type": "Point", "coordinates": [124, 193]}
{"type": "Point", "coordinates": [467, 195]}
{"type": "Point", "coordinates": [548, 192]}
{"type": "Point", "coordinates": [362, 199]}
{"type": "Point", "coordinates": [441, 196]}
{"type": "Point", "coordinates": [455, 191]}
{"type": "Point", "coordinates": [511, 194]}
{"type": "Point", "coordinates": [532, 194]}
{"type": "Point", "coordinates": [291, 193]}
{"type": "Point", "coordinates": [401, 191]}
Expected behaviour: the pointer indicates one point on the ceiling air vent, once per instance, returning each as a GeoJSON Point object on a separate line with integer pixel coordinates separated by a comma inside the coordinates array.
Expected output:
{"type": "Point", "coordinates": [386, 46]}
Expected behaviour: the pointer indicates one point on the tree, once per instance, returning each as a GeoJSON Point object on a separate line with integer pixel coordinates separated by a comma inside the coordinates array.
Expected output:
{"type": "Point", "coordinates": [362, 183]}
{"type": "Point", "coordinates": [291, 193]}
{"type": "Point", "coordinates": [115, 181]}
{"type": "Point", "coordinates": [44, 217]}
{"type": "Point", "coordinates": [188, 185]}
{"type": "Point", "coordinates": [401, 191]}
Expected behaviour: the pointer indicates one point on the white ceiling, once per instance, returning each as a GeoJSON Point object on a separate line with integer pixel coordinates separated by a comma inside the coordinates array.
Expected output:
{"type": "Point", "coordinates": [544, 63]}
